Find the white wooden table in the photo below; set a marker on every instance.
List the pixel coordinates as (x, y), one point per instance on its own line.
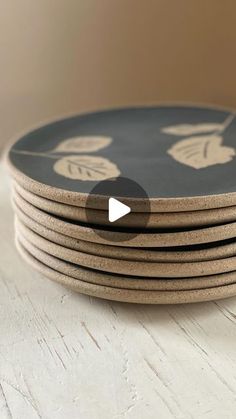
(68, 356)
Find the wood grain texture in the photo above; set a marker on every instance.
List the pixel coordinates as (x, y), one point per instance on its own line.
(66, 355)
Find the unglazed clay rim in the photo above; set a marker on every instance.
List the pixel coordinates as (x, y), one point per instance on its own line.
(131, 268)
(126, 253)
(205, 235)
(219, 252)
(100, 202)
(131, 296)
(164, 220)
(117, 281)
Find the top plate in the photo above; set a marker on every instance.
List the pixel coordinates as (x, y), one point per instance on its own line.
(183, 157)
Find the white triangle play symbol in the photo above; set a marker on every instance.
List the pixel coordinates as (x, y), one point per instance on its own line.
(117, 210)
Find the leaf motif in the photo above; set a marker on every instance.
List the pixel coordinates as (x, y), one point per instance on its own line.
(86, 168)
(83, 144)
(188, 129)
(201, 151)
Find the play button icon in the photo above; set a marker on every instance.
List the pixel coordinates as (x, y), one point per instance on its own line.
(111, 207)
(117, 210)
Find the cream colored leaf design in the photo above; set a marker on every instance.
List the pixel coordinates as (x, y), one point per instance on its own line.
(86, 168)
(188, 129)
(201, 151)
(83, 144)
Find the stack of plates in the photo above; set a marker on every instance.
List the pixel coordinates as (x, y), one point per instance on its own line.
(177, 246)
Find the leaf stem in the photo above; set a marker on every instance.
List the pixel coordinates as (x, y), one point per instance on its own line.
(33, 153)
(226, 123)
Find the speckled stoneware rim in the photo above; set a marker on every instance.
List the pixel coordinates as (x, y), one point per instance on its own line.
(100, 202)
(190, 237)
(118, 281)
(164, 220)
(125, 295)
(131, 268)
(128, 253)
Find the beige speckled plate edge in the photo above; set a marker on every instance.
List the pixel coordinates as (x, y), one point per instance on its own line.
(131, 296)
(117, 252)
(127, 253)
(199, 236)
(164, 220)
(100, 202)
(117, 281)
(132, 268)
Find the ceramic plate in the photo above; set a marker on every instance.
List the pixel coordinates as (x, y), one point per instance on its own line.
(183, 157)
(127, 282)
(156, 219)
(150, 239)
(196, 253)
(126, 295)
(132, 268)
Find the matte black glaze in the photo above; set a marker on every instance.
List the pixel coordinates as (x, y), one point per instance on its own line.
(139, 149)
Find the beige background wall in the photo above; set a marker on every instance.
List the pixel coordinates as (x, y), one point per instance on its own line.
(65, 56)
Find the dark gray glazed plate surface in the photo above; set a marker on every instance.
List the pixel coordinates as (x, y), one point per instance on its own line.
(172, 152)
